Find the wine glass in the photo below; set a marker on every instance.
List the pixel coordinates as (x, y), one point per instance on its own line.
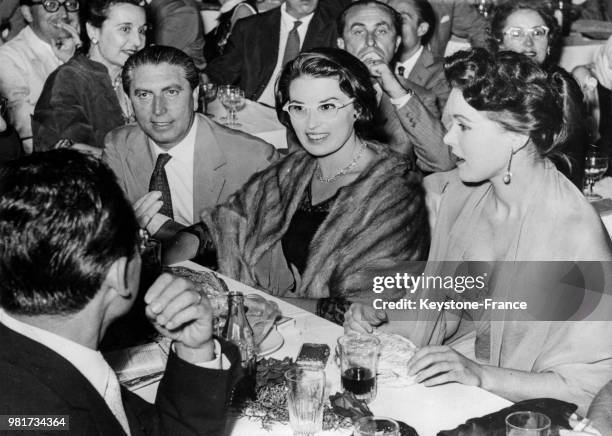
(595, 167)
(223, 90)
(208, 92)
(233, 100)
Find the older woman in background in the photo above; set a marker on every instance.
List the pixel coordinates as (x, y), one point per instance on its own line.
(507, 203)
(317, 224)
(527, 27)
(83, 99)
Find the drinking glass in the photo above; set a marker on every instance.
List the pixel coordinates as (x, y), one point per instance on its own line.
(376, 426)
(208, 92)
(233, 100)
(224, 90)
(305, 398)
(595, 167)
(484, 7)
(527, 424)
(358, 364)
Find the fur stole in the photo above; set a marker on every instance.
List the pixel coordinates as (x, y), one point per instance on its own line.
(376, 222)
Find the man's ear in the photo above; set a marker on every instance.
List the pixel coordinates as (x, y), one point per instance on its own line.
(117, 277)
(196, 97)
(340, 43)
(422, 29)
(398, 42)
(27, 14)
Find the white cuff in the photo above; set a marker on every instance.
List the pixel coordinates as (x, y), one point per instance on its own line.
(401, 101)
(220, 361)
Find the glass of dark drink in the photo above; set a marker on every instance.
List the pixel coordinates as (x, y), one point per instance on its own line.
(358, 364)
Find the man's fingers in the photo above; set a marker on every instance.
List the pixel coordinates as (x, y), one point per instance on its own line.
(150, 196)
(179, 301)
(433, 370)
(185, 316)
(165, 284)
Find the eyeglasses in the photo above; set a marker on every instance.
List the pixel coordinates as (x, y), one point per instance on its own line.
(537, 32)
(300, 111)
(54, 5)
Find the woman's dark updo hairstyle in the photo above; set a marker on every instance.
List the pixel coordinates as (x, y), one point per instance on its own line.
(516, 93)
(353, 79)
(504, 10)
(95, 12)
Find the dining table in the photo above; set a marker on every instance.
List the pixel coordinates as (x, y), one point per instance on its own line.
(427, 409)
(255, 119)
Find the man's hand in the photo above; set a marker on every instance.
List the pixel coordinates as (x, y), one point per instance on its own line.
(361, 318)
(146, 209)
(65, 46)
(435, 365)
(384, 76)
(182, 313)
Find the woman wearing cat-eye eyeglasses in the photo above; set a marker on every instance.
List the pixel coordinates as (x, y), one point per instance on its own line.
(527, 27)
(317, 225)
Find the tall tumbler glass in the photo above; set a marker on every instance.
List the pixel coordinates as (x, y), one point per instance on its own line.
(527, 424)
(305, 398)
(358, 364)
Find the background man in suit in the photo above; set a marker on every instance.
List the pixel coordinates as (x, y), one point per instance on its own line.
(189, 162)
(70, 269)
(459, 18)
(177, 23)
(261, 45)
(370, 30)
(415, 61)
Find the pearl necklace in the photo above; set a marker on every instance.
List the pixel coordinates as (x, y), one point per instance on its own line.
(342, 171)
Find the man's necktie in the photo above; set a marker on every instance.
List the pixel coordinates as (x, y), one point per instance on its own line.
(112, 397)
(159, 182)
(292, 49)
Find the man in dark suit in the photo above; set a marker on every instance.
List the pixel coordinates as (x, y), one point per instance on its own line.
(459, 18)
(408, 113)
(206, 161)
(177, 23)
(260, 45)
(69, 269)
(415, 61)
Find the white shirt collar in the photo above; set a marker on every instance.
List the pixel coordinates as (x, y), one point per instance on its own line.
(229, 5)
(289, 20)
(37, 44)
(88, 362)
(409, 63)
(184, 150)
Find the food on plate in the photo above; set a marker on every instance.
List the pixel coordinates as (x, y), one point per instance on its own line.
(395, 352)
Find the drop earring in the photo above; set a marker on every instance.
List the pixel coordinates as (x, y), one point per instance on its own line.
(508, 176)
(94, 41)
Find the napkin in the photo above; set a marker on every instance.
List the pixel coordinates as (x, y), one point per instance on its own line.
(494, 424)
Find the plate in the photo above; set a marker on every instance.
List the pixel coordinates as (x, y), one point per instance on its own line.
(271, 343)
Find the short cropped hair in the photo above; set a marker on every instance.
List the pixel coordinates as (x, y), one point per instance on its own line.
(353, 79)
(396, 18)
(63, 222)
(156, 55)
(516, 93)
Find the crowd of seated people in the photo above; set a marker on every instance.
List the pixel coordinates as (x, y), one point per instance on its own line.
(397, 155)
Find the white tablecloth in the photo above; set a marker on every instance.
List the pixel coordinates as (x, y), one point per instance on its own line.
(428, 410)
(255, 119)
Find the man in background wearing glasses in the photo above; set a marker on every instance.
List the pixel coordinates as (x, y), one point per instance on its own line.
(49, 40)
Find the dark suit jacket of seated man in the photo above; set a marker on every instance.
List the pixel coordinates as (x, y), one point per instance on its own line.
(251, 53)
(54, 313)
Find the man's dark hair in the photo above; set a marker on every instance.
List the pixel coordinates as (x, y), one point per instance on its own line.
(63, 221)
(156, 55)
(427, 15)
(396, 19)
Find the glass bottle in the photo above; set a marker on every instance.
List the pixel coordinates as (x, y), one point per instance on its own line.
(562, 12)
(238, 331)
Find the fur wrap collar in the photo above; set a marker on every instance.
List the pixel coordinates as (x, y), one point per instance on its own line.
(376, 222)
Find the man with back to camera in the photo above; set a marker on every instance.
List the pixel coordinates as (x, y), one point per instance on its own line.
(174, 162)
(68, 270)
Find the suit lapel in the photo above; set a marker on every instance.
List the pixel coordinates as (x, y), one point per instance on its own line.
(314, 32)
(140, 162)
(420, 72)
(208, 168)
(60, 376)
(267, 44)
